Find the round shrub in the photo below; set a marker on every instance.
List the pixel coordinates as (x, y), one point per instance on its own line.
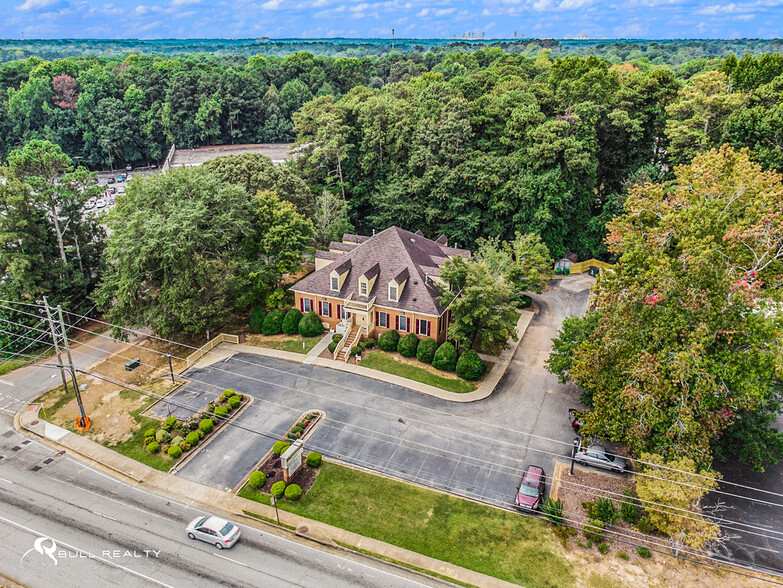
(257, 319)
(229, 392)
(356, 350)
(200, 432)
(643, 552)
(177, 440)
(206, 426)
(175, 451)
(293, 436)
(149, 433)
(169, 423)
(314, 459)
(337, 337)
(293, 492)
(299, 427)
(470, 366)
(153, 447)
(426, 350)
(273, 323)
(148, 440)
(407, 345)
(221, 411)
(162, 436)
(234, 402)
(369, 343)
(193, 438)
(445, 358)
(277, 489)
(310, 325)
(388, 340)
(256, 479)
(279, 447)
(291, 322)
(332, 346)
(185, 446)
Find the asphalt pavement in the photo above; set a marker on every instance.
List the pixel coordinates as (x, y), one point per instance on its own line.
(477, 450)
(65, 524)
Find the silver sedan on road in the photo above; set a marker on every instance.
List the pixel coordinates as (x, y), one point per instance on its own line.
(219, 532)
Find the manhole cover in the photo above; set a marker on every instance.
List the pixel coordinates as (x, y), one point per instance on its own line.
(35, 422)
(302, 529)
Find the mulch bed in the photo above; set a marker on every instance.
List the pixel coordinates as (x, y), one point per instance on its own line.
(273, 469)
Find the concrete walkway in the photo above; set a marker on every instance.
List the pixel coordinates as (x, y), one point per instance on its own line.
(189, 492)
(485, 389)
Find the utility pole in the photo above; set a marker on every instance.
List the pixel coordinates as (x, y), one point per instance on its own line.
(83, 421)
(56, 346)
(392, 39)
(171, 370)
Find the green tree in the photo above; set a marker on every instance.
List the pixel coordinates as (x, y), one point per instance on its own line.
(479, 304)
(330, 221)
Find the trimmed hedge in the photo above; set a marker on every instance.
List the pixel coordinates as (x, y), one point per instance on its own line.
(407, 345)
(279, 447)
(221, 411)
(193, 438)
(256, 323)
(293, 492)
(185, 446)
(445, 358)
(149, 433)
(273, 323)
(256, 479)
(169, 423)
(314, 459)
(234, 402)
(426, 350)
(356, 350)
(310, 325)
(153, 447)
(229, 392)
(277, 489)
(470, 366)
(337, 337)
(162, 436)
(206, 425)
(291, 322)
(332, 346)
(177, 440)
(175, 451)
(369, 343)
(388, 340)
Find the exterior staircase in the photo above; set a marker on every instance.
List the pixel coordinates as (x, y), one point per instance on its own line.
(346, 349)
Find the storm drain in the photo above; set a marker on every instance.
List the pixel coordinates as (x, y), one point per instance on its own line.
(8, 434)
(49, 460)
(17, 448)
(25, 442)
(35, 468)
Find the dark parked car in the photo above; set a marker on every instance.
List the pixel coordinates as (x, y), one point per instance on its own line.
(576, 419)
(530, 493)
(597, 456)
(110, 181)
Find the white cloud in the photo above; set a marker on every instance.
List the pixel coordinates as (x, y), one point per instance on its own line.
(423, 12)
(444, 11)
(185, 2)
(40, 5)
(573, 4)
(272, 5)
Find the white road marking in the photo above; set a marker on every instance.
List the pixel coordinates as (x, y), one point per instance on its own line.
(6, 382)
(244, 565)
(100, 559)
(4, 480)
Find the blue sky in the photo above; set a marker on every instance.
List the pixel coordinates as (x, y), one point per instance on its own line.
(374, 18)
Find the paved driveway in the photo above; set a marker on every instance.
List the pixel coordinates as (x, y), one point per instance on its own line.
(477, 450)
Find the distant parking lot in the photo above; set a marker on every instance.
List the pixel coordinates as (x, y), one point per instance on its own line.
(121, 178)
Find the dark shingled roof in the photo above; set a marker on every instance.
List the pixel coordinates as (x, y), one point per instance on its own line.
(342, 246)
(351, 238)
(327, 255)
(341, 268)
(373, 271)
(394, 252)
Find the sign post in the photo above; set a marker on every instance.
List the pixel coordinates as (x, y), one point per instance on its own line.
(292, 460)
(273, 500)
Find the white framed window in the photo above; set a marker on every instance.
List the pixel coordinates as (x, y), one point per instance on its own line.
(335, 283)
(403, 321)
(392, 293)
(422, 327)
(383, 319)
(363, 288)
(307, 305)
(325, 308)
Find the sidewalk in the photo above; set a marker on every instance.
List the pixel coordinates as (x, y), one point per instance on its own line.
(485, 389)
(209, 499)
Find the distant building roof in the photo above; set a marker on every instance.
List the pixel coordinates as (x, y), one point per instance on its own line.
(277, 152)
(391, 254)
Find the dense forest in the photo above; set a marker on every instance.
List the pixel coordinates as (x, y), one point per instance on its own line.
(471, 145)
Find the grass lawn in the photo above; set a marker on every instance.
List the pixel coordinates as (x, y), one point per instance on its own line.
(9, 366)
(378, 360)
(291, 343)
(495, 542)
(135, 449)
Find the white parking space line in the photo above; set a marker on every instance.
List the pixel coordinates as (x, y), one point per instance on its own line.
(7, 383)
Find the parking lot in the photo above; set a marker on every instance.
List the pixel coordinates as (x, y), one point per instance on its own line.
(118, 184)
(477, 450)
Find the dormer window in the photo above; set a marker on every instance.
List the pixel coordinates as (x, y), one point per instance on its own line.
(392, 293)
(335, 283)
(363, 288)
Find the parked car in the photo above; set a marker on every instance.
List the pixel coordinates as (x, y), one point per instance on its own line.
(112, 190)
(90, 204)
(219, 532)
(121, 178)
(111, 201)
(110, 181)
(100, 203)
(597, 456)
(128, 167)
(530, 492)
(576, 419)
